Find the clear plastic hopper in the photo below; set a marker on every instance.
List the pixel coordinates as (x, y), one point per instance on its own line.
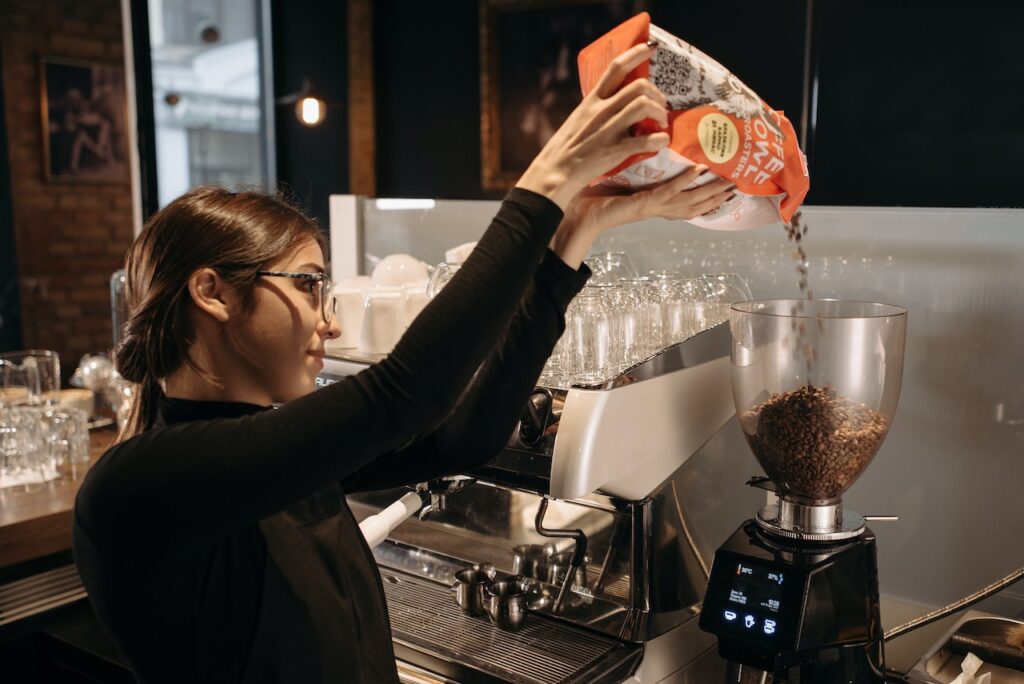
(815, 385)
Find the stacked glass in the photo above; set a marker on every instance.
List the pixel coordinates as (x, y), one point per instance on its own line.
(724, 290)
(37, 434)
(621, 319)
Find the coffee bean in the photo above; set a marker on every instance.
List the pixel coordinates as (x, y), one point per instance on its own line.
(813, 442)
(796, 229)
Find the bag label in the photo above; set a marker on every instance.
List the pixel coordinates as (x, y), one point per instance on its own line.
(718, 137)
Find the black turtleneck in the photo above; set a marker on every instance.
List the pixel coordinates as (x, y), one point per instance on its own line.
(218, 546)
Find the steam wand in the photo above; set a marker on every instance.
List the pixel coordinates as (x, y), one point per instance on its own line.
(578, 553)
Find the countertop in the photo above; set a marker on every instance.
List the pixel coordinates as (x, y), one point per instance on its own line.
(37, 522)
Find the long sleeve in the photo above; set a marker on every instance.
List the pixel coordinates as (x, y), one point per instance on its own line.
(174, 488)
(485, 417)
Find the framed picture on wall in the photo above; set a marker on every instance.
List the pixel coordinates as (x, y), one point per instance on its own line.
(528, 77)
(84, 115)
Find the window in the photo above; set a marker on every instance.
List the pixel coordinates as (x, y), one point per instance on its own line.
(210, 74)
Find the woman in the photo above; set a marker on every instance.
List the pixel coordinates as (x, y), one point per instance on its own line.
(215, 542)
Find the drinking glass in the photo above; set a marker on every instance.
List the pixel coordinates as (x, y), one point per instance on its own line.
(626, 306)
(553, 373)
(698, 306)
(118, 303)
(610, 267)
(592, 348)
(725, 289)
(649, 315)
(22, 454)
(30, 376)
(667, 297)
(65, 434)
(440, 276)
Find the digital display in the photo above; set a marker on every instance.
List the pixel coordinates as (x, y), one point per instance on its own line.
(757, 587)
(748, 599)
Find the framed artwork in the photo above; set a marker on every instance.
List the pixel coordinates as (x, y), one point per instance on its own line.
(528, 77)
(84, 115)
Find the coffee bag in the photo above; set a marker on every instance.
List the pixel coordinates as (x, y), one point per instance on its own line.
(714, 119)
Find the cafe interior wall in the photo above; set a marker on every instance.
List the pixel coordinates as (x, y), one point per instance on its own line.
(898, 105)
(308, 40)
(69, 237)
(10, 307)
(427, 77)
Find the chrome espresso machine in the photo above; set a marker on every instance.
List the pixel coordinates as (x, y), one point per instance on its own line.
(582, 510)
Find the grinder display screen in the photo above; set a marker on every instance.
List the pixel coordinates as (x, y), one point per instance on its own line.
(757, 588)
(751, 600)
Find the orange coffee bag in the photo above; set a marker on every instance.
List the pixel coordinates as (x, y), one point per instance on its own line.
(714, 119)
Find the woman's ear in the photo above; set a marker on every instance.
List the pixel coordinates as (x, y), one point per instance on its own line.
(211, 294)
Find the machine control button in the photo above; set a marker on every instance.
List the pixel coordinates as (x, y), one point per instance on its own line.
(769, 626)
(730, 616)
(749, 621)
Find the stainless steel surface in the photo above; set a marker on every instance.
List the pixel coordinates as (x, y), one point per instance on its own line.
(469, 589)
(570, 443)
(506, 605)
(814, 518)
(961, 603)
(705, 346)
(410, 674)
(940, 665)
(810, 522)
(526, 557)
(436, 493)
(736, 673)
(560, 565)
(541, 652)
(646, 573)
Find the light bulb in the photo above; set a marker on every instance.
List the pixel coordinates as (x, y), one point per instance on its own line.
(310, 111)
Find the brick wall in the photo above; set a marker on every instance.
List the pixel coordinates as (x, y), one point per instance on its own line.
(70, 236)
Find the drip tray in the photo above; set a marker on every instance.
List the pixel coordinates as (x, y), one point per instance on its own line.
(430, 630)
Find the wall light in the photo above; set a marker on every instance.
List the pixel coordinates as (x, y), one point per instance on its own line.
(310, 105)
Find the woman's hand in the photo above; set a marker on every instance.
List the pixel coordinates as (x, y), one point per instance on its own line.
(598, 209)
(595, 137)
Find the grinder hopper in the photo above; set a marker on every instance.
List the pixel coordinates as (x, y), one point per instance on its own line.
(815, 385)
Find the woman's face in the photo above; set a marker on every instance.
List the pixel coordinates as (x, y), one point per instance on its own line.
(281, 343)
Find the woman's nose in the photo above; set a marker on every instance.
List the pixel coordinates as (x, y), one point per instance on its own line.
(333, 331)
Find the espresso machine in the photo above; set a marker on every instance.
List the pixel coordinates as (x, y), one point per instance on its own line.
(583, 508)
(793, 594)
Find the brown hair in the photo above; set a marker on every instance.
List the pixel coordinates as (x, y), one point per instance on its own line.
(234, 233)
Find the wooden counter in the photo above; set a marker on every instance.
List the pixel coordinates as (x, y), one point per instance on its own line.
(37, 522)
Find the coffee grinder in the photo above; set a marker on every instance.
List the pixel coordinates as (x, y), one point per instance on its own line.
(793, 593)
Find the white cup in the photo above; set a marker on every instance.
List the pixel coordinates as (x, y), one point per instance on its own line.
(383, 320)
(415, 300)
(350, 317)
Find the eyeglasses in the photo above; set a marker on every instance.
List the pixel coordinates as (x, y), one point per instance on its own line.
(320, 286)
